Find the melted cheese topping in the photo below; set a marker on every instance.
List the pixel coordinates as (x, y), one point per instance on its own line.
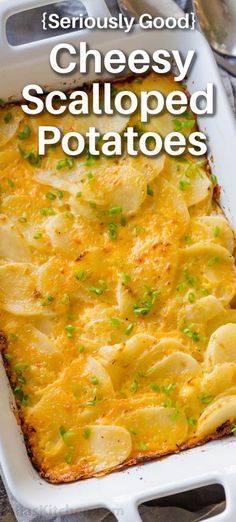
(116, 284)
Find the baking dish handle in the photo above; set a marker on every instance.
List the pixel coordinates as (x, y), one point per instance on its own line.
(94, 8)
(228, 481)
(127, 510)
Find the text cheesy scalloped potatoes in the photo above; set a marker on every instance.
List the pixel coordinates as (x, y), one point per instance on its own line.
(117, 285)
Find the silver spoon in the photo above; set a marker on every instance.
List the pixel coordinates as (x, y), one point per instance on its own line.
(217, 20)
(223, 11)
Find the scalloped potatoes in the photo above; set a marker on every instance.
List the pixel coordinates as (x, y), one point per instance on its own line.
(117, 281)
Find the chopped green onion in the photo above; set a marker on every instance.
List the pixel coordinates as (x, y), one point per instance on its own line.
(192, 334)
(90, 161)
(38, 235)
(47, 300)
(92, 204)
(25, 133)
(81, 349)
(192, 421)
(181, 125)
(205, 399)
(95, 290)
(80, 275)
(154, 387)
(21, 367)
(8, 117)
(114, 211)
(69, 215)
(68, 458)
(129, 329)
(47, 211)
(34, 159)
(123, 221)
(189, 278)
(62, 431)
(233, 430)
(216, 232)
(145, 306)
(94, 380)
(125, 278)
(22, 219)
(188, 240)
(191, 297)
(175, 414)
(25, 400)
(66, 163)
(184, 184)
(168, 389)
(90, 176)
(65, 300)
(214, 180)
(78, 195)
(87, 433)
(10, 183)
(112, 231)
(205, 292)
(134, 386)
(150, 191)
(213, 261)
(114, 91)
(168, 403)
(51, 196)
(70, 329)
(115, 321)
(13, 337)
(92, 401)
(142, 445)
(181, 287)
(7, 356)
(21, 380)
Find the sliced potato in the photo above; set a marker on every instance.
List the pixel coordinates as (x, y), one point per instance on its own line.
(164, 347)
(190, 179)
(151, 167)
(18, 290)
(211, 264)
(155, 428)
(177, 363)
(125, 299)
(221, 411)
(226, 316)
(103, 447)
(81, 122)
(222, 346)
(8, 130)
(40, 341)
(220, 379)
(13, 246)
(118, 358)
(203, 309)
(76, 397)
(65, 236)
(215, 229)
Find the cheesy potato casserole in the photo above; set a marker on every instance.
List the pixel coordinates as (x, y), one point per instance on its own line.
(117, 286)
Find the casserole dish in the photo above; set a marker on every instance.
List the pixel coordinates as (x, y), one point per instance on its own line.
(47, 498)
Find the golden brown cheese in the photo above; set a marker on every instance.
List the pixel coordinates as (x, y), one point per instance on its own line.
(116, 284)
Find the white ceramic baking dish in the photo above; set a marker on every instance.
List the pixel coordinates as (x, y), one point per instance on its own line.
(120, 492)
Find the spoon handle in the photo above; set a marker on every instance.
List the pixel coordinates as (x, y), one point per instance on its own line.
(227, 66)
